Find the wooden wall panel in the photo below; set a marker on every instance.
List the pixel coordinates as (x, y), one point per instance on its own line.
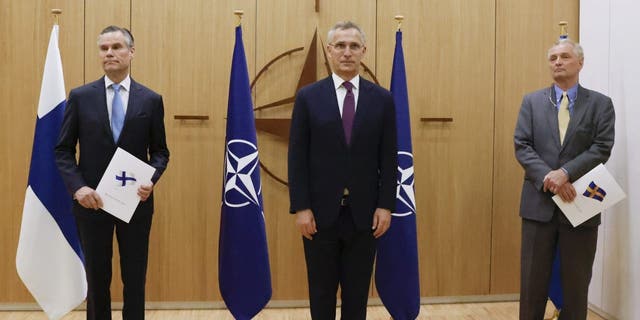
(26, 29)
(471, 61)
(184, 51)
(97, 16)
(525, 30)
(361, 12)
(70, 40)
(279, 82)
(448, 47)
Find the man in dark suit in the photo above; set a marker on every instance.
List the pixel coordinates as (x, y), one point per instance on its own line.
(562, 132)
(114, 111)
(342, 176)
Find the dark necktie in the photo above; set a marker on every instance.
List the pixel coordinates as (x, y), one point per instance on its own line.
(348, 110)
(117, 112)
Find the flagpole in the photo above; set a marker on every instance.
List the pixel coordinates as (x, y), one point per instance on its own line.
(399, 19)
(56, 13)
(564, 34)
(239, 14)
(244, 276)
(397, 277)
(49, 254)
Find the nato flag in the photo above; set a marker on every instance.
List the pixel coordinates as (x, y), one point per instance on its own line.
(243, 261)
(397, 277)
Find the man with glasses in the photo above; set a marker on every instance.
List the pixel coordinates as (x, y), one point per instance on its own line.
(342, 176)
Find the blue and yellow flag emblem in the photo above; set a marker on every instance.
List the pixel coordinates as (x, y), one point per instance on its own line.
(595, 192)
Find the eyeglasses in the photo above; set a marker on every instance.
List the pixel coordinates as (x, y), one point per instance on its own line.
(341, 46)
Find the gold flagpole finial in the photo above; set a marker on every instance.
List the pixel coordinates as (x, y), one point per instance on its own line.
(564, 34)
(399, 19)
(56, 13)
(239, 14)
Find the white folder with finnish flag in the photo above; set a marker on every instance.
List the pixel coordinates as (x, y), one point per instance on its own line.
(118, 187)
(596, 191)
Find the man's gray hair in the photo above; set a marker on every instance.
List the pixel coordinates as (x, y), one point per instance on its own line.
(577, 48)
(128, 37)
(345, 25)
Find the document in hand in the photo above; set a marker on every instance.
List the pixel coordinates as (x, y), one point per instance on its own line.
(597, 191)
(118, 187)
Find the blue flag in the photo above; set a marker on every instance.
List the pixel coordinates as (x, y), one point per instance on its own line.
(555, 284)
(49, 259)
(243, 260)
(397, 277)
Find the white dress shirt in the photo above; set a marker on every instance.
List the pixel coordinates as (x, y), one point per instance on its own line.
(124, 93)
(341, 91)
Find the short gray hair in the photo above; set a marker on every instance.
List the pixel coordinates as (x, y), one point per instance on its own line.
(345, 25)
(128, 37)
(577, 48)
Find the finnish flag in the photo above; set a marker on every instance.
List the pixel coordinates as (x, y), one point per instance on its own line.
(49, 260)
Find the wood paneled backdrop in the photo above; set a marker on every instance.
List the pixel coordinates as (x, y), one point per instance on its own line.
(468, 60)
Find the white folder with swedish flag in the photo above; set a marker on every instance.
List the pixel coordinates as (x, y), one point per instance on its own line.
(596, 191)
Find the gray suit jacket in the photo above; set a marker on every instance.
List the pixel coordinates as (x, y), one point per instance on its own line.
(587, 143)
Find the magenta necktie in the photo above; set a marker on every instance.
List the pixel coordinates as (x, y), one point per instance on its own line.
(348, 110)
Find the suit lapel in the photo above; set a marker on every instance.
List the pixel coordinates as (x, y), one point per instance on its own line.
(363, 101)
(551, 113)
(331, 105)
(102, 109)
(132, 105)
(578, 112)
(332, 99)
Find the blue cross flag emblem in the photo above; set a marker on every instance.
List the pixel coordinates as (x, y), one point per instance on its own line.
(124, 178)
